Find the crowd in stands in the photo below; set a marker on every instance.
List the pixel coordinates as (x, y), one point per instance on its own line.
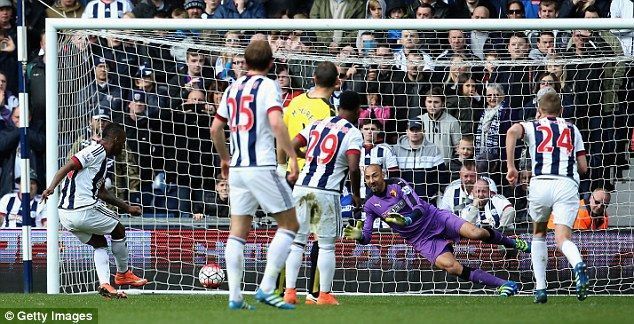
(436, 103)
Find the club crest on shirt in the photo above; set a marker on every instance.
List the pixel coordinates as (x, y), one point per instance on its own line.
(393, 193)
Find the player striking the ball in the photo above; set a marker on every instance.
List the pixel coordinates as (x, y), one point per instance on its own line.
(428, 229)
(83, 213)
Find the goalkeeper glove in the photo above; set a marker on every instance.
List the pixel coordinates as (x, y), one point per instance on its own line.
(354, 233)
(398, 219)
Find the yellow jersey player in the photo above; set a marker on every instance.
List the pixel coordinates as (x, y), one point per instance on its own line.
(310, 106)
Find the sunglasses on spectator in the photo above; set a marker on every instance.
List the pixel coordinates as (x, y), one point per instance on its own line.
(515, 12)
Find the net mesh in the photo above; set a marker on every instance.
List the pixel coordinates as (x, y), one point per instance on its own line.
(164, 88)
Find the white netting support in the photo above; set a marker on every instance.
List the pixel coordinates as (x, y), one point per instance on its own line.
(170, 168)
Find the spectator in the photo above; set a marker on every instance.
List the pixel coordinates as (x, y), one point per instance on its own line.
(11, 206)
(431, 41)
(457, 195)
(592, 213)
(284, 81)
(515, 9)
(437, 8)
(624, 9)
(8, 49)
(223, 62)
(577, 8)
(545, 47)
(214, 95)
(457, 47)
(396, 9)
(488, 209)
(122, 177)
(516, 75)
(157, 96)
(194, 75)
(549, 9)
(439, 127)
(375, 109)
(215, 204)
(464, 151)
(36, 84)
(211, 6)
(481, 41)
(108, 93)
(543, 81)
(408, 88)
(465, 103)
(410, 44)
(123, 59)
(163, 7)
(194, 8)
(465, 8)
(420, 161)
(7, 102)
(374, 151)
(245, 9)
(337, 9)
(65, 9)
(490, 131)
(10, 150)
(107, 9)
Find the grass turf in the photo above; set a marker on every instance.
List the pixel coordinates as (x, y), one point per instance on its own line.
(189, 309)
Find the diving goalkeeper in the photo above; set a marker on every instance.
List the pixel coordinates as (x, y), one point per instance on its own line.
(428, 229)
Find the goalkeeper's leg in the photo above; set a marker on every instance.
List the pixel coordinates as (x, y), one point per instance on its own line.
(447, 261)
(491, 236)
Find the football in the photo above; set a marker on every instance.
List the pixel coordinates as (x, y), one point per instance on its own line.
(211, 276)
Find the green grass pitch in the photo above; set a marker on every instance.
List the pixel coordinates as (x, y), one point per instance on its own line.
(190, 309)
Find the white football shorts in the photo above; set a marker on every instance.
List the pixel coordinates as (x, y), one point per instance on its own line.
(556, 195)
(84, 222)
(318, 212)
(250, 187)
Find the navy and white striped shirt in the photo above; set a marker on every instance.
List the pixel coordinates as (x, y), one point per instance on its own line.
(81, 186)
(553, 144)
(329, 141)
(101, 9)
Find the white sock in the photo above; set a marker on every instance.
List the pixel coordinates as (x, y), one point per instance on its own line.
(102, 265)
(276, 257)
(293, 263)
(326, 264)
(539, 257)
(120, 251)
(571, 252)
(234, 256)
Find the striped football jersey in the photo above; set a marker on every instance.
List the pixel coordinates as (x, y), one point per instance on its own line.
(80, 188)
(245, 106)
(328, 141)
(553, 144)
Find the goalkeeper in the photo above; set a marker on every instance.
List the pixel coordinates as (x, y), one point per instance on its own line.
(428, 229)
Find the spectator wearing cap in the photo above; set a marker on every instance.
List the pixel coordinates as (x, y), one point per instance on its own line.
(420, 161)
(236, 9)
(122, 175)
(156, 96)
(109, 94)
(107, 9)
(65, 9)
(11, 205)
(10, 151)
(194, 8)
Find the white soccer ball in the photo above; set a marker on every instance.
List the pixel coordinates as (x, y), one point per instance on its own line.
(211, 276)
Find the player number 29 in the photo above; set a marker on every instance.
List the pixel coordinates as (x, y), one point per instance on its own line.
(327, 147)
(564, 140)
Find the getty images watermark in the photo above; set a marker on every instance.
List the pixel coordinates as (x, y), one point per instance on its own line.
(49, 315)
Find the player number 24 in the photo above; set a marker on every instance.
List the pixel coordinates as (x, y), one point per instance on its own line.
(563, 141)
(327, 147)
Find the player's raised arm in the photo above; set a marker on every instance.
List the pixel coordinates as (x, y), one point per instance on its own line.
(72, 165)
(512, 135)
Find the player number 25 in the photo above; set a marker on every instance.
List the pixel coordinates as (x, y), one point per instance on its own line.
(327, 147)
(246, 114)
(563, 141)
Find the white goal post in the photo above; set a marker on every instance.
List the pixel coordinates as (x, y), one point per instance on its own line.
(623, 202)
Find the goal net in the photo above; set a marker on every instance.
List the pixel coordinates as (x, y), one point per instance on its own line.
(162, 81)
